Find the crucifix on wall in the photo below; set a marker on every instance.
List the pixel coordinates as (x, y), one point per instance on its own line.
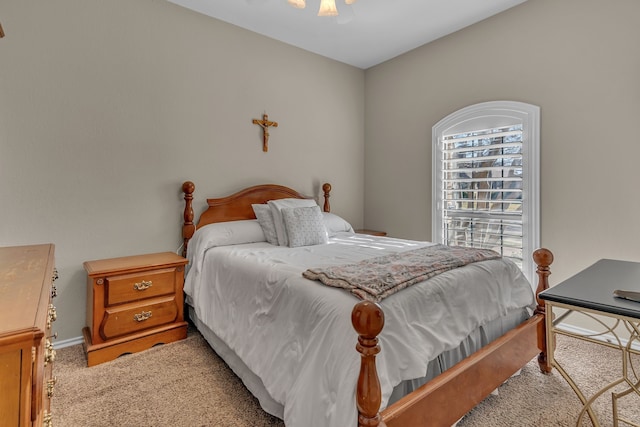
(265, 124)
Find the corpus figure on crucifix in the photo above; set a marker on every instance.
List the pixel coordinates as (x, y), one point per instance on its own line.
(265, 124)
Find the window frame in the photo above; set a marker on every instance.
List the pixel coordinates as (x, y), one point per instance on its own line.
(494, 114)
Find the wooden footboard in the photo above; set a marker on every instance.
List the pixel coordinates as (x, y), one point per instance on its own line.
(445, 399)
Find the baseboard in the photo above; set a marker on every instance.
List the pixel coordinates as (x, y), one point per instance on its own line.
(604, 338)
(569, 328)
(68, 342)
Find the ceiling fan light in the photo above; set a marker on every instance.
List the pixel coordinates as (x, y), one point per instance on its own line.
(328, 8)
(300, 4)
(349, 1)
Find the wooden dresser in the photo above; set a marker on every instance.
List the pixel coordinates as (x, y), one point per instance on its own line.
(133, 303)
(27, 274)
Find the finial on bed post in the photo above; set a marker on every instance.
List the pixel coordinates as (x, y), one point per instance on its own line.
(326, 188)
(188, 228)
(368, 320)
(543, 259)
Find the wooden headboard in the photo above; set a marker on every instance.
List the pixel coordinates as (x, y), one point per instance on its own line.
(237, 206)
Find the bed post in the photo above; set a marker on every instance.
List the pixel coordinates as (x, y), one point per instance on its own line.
(543, 259)
(326, 188)
(188, 228)
(368, 320)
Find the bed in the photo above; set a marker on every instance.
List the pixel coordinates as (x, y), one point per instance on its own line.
(287, 337)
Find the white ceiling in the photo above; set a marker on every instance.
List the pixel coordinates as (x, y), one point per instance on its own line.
(364, 34)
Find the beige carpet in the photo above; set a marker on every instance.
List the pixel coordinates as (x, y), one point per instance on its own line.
(186, 384)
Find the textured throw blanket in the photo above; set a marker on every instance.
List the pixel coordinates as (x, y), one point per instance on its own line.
(377, 278)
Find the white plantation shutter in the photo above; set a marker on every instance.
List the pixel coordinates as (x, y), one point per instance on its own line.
(485, 181)
(482, 190)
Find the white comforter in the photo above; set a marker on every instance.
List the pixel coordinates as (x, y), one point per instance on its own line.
(296, 334)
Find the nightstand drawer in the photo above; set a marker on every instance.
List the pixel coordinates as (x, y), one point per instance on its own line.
(126, 320)
(133, 287)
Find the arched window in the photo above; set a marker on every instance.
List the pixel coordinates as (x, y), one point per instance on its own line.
(486, 180)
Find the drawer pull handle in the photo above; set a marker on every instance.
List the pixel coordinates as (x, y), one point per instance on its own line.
(141, 317)
(142, 285)
(47, 419)
(49, 353)
(53, 314)
(50, 384)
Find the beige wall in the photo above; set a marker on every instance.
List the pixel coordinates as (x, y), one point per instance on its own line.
(576, 59)
(106, 107)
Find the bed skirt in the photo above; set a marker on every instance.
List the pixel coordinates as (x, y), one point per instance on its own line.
(474, 341)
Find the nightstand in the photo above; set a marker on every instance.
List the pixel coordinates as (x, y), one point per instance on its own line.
(133, 303)
(371, 232)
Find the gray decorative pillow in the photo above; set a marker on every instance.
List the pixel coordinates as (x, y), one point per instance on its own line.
(265, 219)
(276, 208)
(305, 226)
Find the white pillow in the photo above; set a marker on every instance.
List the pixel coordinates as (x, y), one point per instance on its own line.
(305, 226)
(222, 234)
(277, 206)
(217, 234)
(265, 219)
(336, 224)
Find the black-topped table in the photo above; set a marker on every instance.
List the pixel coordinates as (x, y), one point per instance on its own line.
(590, 293)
